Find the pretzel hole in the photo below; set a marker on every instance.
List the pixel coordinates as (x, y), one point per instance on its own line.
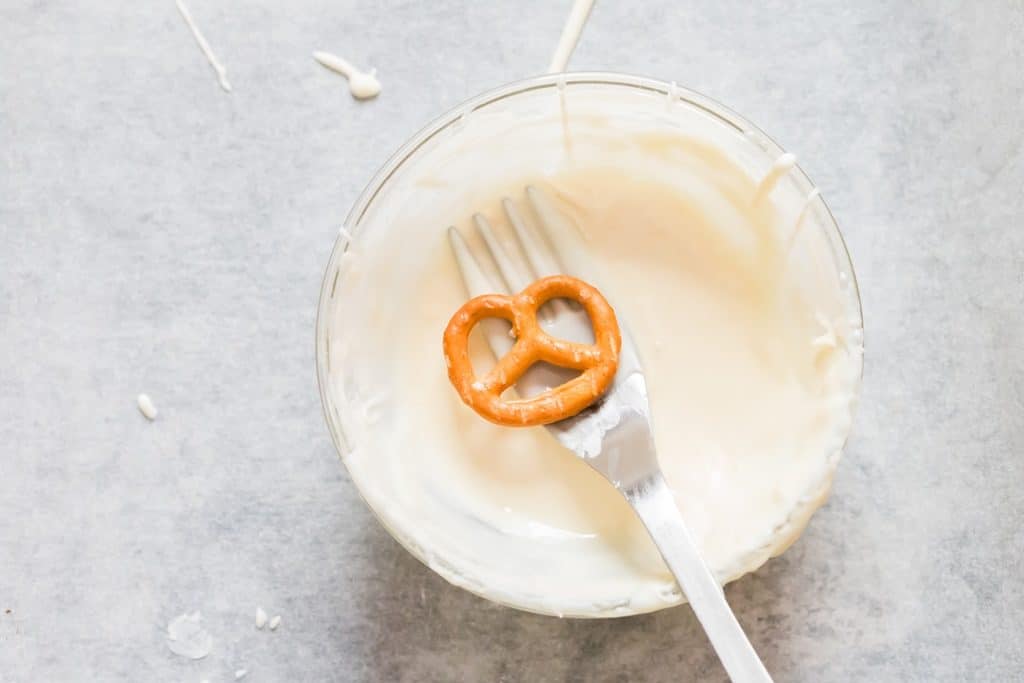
(541, 376)
(545, 309)
(480, 355)
(566, 327)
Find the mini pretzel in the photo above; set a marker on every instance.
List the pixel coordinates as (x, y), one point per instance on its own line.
(598, 361)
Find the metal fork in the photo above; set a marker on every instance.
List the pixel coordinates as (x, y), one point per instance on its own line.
(614, 435)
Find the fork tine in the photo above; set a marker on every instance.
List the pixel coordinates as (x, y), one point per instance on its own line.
(536, 246)
(513, 274)
(495, 331)
(564, 239)
(473, 277)
(552, 223)
(537, 252)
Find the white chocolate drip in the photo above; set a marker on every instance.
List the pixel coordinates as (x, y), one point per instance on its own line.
(800, 219)
(564, 109)
(783, 165)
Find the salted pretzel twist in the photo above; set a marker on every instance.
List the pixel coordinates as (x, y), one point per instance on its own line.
(597, 362)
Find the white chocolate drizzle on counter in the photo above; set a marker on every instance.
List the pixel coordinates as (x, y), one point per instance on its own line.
(362, 84)
(570, 35)
(146, 406)
(222, 73)
(563, 107)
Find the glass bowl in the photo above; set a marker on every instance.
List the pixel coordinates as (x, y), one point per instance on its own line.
(676, 101)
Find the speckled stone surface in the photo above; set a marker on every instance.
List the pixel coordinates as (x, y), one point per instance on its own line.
(159, 235)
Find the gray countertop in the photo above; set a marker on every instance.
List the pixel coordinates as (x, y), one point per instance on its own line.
(160, 235)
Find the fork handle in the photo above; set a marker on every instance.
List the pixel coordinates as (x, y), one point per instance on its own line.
(653, 502)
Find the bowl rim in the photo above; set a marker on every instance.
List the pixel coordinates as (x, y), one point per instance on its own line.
(797, 518)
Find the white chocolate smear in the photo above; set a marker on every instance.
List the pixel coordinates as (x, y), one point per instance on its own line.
(187, 637)
(146, 406)
(570, 35)
(222, 73)
(362, 84)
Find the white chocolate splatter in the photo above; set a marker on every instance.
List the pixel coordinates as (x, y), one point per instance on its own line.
(362, 84)
(187, 637)
(261, 618)
(146, 406)
(275, 622)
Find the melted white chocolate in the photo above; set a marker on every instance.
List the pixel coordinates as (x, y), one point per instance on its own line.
(751, 403)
